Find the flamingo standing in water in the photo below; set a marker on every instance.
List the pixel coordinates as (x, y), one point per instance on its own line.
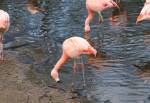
(72, 48)
(145, 12)
(4, 25)
(96, 6)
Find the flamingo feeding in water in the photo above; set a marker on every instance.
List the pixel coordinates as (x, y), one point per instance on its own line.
(97, 6)
(145, 12)
(4, 25)
(72, 48)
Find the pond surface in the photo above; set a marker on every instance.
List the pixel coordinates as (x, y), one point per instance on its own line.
(121, 71)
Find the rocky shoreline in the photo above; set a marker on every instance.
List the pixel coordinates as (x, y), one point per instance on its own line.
(16, 86)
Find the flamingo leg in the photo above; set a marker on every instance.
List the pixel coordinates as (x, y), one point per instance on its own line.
(74, 65)
(74, 70)
(100, 17)
(1, 48)
(83, 71)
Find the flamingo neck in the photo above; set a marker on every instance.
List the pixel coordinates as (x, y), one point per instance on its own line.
(61, 61)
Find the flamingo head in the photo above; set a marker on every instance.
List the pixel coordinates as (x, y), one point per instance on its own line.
(142, 17)
(87, 28)
(139, 18)
(54, 75)
(110, 4)
(91, 50)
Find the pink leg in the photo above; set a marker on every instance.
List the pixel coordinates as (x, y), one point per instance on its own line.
(74, 66)
(83, 71)
(100, 17)
(1, 48)
(74, 71)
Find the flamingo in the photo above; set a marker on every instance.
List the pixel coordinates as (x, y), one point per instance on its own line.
(72, 48)
(96, 6)
(145, 12)
(4, 25)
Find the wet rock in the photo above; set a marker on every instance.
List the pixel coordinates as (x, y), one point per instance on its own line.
(148, 98)
(107, 101)
(15, 44)
(14, 79)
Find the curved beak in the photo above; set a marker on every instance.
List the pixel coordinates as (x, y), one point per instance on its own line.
(139, 18)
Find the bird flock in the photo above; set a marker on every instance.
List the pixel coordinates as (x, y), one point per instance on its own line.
(75, 46)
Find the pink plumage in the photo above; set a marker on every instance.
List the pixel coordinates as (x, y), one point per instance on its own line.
(4, 25)
(96, 6)
(72, 48)
(145, 12)
(4, 21)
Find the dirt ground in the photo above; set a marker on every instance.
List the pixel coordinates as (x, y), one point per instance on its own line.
(15, 87)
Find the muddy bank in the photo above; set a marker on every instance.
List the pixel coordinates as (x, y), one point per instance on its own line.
(16, 85)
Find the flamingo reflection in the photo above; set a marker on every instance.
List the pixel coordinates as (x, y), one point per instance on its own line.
(33, 6)
(119, 16)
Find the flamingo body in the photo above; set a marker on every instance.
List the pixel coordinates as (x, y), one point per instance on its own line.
(96, 6)
(4, 25)
(75, 46)
(99, 5)
(72, 48)
(145, 12)
(4, 21)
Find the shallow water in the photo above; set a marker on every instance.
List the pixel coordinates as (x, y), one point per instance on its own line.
(119, 74)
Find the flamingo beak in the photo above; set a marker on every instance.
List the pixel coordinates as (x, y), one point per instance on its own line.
(57, 80)
(139, 18)
(94, 52)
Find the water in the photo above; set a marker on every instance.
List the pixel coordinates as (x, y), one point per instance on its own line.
(121, 75)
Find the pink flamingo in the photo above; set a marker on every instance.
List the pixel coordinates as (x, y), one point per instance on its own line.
(72, 48)
(96, 6)
(4, 25)
(145, 12)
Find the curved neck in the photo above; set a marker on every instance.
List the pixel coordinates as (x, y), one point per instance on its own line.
(61, 61)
